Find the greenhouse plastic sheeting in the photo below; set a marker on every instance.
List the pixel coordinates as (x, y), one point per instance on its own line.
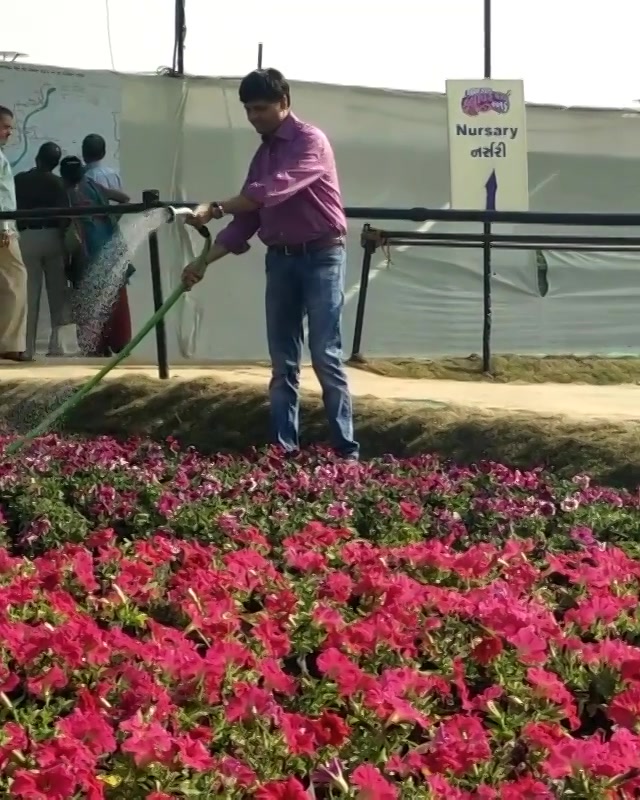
(190, 139)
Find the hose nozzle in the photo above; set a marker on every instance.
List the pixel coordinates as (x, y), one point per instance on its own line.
(174, 212)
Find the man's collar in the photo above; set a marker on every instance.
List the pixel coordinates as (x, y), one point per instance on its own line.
(285, 130)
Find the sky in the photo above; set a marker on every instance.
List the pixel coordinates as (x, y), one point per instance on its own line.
(568, 52)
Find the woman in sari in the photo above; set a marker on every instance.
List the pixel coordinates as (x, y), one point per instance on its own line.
(87, 239)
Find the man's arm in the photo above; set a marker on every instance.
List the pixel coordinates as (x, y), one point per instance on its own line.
(235, 237)
(111, 184)
(62, 201)
(300, 168)
(115, 195)
(193, 273)
(6, 195)
(216, 252)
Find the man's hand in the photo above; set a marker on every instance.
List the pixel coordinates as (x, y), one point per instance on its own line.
(193, 273)
(5, 238)
(201, 215)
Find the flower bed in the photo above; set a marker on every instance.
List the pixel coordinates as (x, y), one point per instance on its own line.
(179, 627)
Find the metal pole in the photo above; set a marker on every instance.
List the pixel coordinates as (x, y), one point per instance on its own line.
(260, 55)
(487, 38)
(486, 249)
(180, 36)
(150, 197)
(369, 250)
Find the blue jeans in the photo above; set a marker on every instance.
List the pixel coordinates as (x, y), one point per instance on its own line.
(312, 283)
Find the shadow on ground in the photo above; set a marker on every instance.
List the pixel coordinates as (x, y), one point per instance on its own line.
(218, 416)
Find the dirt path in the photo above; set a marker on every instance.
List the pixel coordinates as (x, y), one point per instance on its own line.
(576, 401)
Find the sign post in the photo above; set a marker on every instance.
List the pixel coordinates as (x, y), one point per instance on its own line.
(487, 129)
(488, 167)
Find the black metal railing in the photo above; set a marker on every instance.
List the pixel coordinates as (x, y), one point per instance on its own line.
(415, 214)
(151, 198)
(373, 238)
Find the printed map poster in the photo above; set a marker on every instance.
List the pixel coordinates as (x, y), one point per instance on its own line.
(61, 106)
(487, 128)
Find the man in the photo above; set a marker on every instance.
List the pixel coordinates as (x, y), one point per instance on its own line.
(13, 275)
(42, 244)
(94, 151)
(292, 197)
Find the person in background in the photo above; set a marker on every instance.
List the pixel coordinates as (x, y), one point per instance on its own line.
(94, 151)
(13, 274)
(86, 239)
(292, 197)
(42, 244)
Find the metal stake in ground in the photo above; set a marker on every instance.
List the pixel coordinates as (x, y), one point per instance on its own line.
(62, 410)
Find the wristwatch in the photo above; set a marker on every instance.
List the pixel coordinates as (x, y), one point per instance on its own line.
(217, 211)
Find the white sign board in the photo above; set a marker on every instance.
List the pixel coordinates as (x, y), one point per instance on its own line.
(488, 145)
(60, 106)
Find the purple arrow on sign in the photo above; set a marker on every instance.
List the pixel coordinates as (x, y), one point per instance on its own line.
(491, 187)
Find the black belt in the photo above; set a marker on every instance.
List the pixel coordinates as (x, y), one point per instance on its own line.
(44, 226)
(307, 247)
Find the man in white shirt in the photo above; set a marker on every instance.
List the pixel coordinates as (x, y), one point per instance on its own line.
(13, 274)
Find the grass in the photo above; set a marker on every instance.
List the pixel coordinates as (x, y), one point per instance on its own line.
(595, 370)
(218, 416)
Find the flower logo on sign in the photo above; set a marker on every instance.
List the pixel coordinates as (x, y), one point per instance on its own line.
(481, 100)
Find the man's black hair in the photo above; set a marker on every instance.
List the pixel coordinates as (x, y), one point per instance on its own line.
(264, 85)
(72, 170)
(6, 112)
(94, 148)
(48, 156)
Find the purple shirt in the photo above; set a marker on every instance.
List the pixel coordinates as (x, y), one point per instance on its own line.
(293, 176)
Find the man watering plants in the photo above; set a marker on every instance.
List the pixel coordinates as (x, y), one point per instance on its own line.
(291, 198)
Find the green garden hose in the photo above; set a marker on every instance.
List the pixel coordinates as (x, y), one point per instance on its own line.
(64, 408)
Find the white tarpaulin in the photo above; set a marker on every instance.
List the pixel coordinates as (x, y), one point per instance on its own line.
(189, 139)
